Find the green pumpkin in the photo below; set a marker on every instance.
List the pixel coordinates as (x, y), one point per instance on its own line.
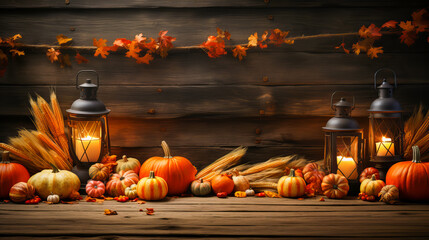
(201, 187)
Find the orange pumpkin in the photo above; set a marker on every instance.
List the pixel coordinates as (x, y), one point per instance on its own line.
(411, 178)
(291, 186)
(371, 187)
(177, 171)
(222, 183)
(10, 173)
(127, 163)
(313, 175)
(21, 191)
(152, 187)
(368, 172)
(335, 186)
(99, 172)
(119, 181)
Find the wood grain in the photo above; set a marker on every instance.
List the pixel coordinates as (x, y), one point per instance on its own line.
(214, 217)
(214, 101)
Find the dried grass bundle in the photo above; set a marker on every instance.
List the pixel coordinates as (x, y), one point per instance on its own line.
(417, 134)
(36, 150)
(222, 163)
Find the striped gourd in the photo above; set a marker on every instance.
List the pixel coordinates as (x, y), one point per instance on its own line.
(291, 186)
(152, 188)
(119, 181)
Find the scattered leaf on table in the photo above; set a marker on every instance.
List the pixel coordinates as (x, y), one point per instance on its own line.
(90, 199)
(110, 212)
(109, 198)
(141, 202)
(300, 198)
(63, 39)
(69, 202)
(322, 199)
(271, 194)
(150, 211)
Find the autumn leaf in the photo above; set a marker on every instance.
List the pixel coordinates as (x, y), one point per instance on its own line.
(139, 38)
(421, 20)
(53, 54)
(290, 42)
(253, 40)
(16, 37)
(342, 45)
(80, 59)
(133, 50)
(101, 47)
(121, 42)
(110, 212)
(371, 32)
(223, 34)
(165, 43)
(16, 52)
(373, 51)
(145, 59)
(357, 48)
(63, 39)
(263, 39)
(389, 24)
(278, 36)
(409, 34)
(239, 52)
(3, 63)
(214, 47)
(151, 46)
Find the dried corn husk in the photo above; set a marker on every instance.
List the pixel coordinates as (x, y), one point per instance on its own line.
(222, 163)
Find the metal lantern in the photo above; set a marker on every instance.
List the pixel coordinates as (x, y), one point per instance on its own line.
(386, 127)
(88, 127)
(344, 142)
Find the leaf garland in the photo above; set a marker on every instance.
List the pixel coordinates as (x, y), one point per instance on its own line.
(143, 49)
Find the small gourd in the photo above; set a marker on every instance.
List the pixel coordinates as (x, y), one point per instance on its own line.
(371, 187)
(201, 187)
(127, 163)
(240, 182)
(389, 194)
(131, 191)
(53, 198)
(250, 192)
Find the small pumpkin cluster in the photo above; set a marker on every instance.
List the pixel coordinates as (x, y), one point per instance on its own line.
(152, 180)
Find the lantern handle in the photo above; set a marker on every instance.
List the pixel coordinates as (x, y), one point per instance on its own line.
(81, 71)
(332, 100)
(381, 69)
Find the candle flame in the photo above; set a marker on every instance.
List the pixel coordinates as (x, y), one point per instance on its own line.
(88, 138)
(385, 139)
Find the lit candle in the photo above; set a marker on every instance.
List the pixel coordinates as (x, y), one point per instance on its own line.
(347, 167)
(92, 146)
(385, 148)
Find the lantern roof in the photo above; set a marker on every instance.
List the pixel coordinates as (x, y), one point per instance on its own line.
(342, 120)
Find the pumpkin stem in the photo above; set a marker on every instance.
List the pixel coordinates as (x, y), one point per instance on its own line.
(151, 174)
(373, 177)
(202, 180)
(125, 158)
(166, 149)
(292, 173)
(5, 157)
(416, 154)
(54, 168)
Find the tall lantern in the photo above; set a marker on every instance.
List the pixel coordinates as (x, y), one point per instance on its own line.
(386, 127)
(344, 143)
(88, 128)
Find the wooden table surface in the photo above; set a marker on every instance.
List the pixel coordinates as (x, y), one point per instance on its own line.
(212, 217)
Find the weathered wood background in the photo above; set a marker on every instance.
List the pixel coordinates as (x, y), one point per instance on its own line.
(275, 101)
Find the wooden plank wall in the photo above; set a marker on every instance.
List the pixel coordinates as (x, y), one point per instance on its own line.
(275, 101)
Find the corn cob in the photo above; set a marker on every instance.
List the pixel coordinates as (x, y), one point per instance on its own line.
(223, 162)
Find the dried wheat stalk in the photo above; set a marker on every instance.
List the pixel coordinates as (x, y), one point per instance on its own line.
(36, 150)
(223, 162)
(260, 186)
(417, 133)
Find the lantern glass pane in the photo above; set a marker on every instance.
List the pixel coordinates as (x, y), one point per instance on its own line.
(348, 156)
(87, 140)
(386, 137)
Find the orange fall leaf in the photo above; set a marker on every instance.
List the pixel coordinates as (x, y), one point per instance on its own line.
(53, 54)
(239, 52)
(63, 39)
(80, 59)
(374, 51)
